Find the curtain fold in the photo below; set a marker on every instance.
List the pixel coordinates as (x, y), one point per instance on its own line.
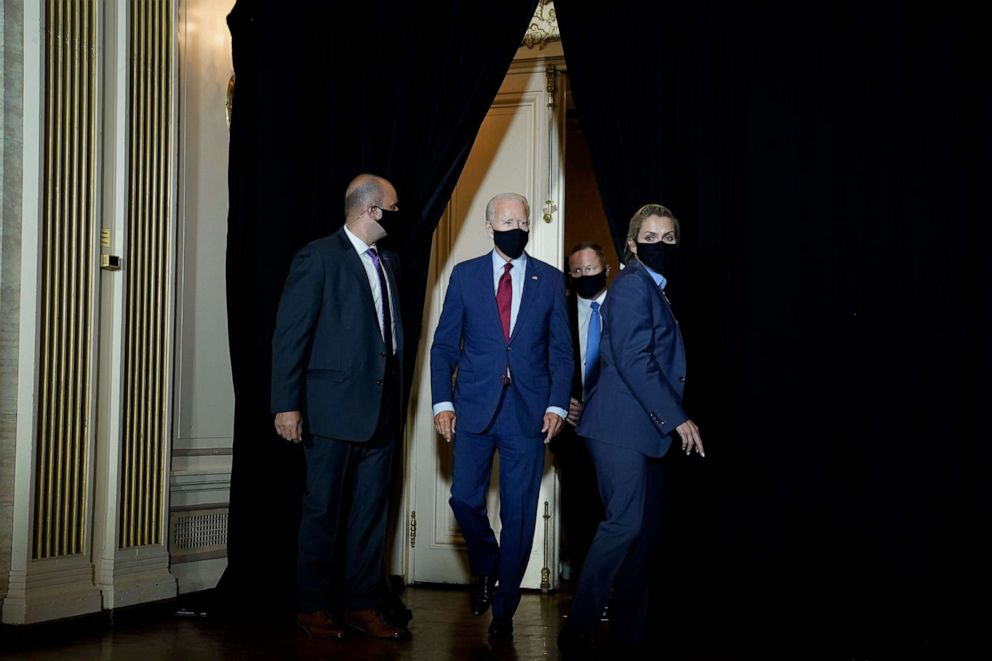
(826, 161)
(325, 91)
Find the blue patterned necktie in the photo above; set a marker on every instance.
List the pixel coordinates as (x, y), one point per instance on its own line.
(592, 348)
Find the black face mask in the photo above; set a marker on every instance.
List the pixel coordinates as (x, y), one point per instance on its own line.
(659, 257)
(511, 242)
(587, 286)
(389, 219)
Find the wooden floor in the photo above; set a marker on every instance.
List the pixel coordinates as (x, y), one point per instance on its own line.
(442, 628)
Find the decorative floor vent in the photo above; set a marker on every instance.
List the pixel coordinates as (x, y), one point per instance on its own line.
(199, 534)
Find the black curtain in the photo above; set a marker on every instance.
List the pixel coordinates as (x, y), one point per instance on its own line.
(826, 160)
(325, 91)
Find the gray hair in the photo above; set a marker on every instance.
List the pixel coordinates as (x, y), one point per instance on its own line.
(505, 197)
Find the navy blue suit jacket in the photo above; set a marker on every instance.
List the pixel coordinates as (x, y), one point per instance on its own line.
(637, 402)
(469, 336)
(328, 355)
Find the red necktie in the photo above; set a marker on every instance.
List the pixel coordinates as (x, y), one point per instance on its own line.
(504, 299)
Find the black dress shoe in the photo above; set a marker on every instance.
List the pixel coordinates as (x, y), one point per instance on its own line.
(501, 628)
(482, 594)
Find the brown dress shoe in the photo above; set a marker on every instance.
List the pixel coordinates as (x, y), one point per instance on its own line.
(320, 624)
(371, 623)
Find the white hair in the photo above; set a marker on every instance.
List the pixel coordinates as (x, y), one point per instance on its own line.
(505, 197)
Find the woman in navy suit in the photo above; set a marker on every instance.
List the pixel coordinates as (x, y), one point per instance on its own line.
(629, 421)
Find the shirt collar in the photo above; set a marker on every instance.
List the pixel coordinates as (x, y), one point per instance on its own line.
(360, 246)
(518, 263)
(658, 278)
(587, 302)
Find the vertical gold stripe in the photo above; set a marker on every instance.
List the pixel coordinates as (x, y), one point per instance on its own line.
(67, 296)
(87, 162)
(75, 234)
(127, 500)
(149, 250)
(133, 262)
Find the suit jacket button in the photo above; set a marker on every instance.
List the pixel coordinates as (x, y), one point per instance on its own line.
(378, 382)
(681, 379)
(508, 348)
(382, 354)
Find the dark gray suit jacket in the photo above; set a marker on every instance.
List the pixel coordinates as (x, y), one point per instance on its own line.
(328, 355)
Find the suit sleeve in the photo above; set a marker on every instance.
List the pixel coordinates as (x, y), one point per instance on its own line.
(298, 311)
(561, 362)
(630, 335)
(446, 348)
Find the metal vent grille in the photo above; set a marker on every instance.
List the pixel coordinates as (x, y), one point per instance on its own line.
(198, 534)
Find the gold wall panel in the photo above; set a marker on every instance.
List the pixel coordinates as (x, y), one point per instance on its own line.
(68, 249)
(148, 323)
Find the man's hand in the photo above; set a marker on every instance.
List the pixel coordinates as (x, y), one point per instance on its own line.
(444, 423)
(690, 438)
(552, 425)
(289, 425)
(574, 411)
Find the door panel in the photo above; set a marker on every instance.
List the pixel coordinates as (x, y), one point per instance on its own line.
(516, 150)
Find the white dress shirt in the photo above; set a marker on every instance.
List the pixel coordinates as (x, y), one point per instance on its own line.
(517, 274)
(585, 314)
(362, 249)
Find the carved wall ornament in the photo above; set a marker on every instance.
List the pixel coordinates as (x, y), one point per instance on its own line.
(543, 26)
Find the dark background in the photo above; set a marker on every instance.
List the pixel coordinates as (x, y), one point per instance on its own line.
(826, 160)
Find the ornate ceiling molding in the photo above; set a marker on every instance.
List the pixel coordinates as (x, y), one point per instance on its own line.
(543, 27)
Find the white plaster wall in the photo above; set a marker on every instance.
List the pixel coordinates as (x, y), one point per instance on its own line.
(205, 397)
(204, 403)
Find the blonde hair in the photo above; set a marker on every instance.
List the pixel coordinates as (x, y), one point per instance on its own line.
(634, 228)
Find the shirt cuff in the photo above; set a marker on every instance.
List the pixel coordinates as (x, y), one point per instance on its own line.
(441, 407)
(561, 413)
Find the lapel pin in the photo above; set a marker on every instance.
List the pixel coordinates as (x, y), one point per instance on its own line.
(533, 277)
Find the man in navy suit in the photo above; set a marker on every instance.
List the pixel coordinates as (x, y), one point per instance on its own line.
(337, 353)
(505, 328)
(628, 423)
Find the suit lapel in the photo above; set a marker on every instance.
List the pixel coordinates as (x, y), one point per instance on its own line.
(532, 282)
(573, 324)
(643, 272)
(387, 267)
(664, 299)
(485, 276)
(354, 264)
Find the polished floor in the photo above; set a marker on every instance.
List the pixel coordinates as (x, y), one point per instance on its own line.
(442, 628)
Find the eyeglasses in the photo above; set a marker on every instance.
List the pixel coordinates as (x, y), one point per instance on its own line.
(589, 269)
